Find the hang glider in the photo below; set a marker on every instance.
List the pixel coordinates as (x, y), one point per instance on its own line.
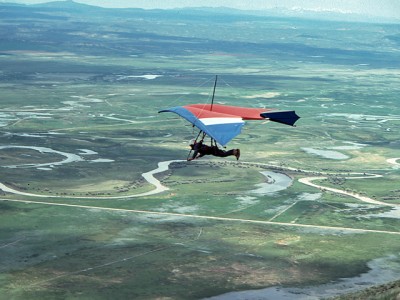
(224, 122)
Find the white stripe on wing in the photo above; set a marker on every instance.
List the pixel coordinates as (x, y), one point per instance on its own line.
(217, 121)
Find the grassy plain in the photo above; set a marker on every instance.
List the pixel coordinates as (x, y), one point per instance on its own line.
(83, 89)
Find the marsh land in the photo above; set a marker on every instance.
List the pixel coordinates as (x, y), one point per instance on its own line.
(97, 199)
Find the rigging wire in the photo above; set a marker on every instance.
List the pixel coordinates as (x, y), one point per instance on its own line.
(248, 102)
(180, 98)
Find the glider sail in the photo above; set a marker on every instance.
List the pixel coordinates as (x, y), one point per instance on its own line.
(219, 126)
(223, 122)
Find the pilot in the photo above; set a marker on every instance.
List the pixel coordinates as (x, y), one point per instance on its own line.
(201, 149)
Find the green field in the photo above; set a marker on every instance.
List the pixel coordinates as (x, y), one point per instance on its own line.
(79, 125)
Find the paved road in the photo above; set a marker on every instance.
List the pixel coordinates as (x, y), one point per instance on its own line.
(166, 214)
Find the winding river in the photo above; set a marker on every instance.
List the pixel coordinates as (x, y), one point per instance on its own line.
(277, 181)
(70, 158)
(393, 161)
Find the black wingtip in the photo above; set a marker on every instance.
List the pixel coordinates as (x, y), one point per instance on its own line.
(283, 117)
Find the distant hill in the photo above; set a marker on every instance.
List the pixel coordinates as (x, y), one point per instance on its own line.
(303, 14)
(72, 6)
(69, 5)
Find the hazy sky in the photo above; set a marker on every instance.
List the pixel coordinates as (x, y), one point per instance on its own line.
(385, 8)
